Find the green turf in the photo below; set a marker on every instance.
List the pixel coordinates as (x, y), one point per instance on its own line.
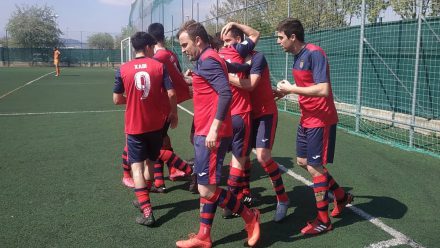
(60, 179)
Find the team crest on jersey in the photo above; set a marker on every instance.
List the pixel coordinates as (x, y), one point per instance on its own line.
(301, 64)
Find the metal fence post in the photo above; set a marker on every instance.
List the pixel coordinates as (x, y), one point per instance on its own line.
(287, 54)
(416, 75)
(361, 58)
(216, 18)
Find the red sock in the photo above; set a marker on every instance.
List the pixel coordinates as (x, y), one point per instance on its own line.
(320, 187)
(143, 197)
(207, 213)
(125, 166)
(246, 178)
(235, 182)
(158, 175)
(175, 161)
(271, 168)
(338, 192)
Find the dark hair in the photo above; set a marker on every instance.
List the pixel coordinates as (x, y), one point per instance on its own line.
(157, 31)
(142, 39)
(194, 29)
(237, 32)
(292, 26)
(215, 41)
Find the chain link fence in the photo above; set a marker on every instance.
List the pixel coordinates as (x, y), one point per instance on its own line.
(384, 57)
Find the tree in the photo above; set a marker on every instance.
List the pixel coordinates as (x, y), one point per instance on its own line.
(101, 41)
(407, 9)
(126, 32)
(34, 26)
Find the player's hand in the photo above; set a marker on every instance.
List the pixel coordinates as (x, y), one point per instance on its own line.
(211, 139)
(285, 87)
(226, 29)
(173, 119)
(277, 95)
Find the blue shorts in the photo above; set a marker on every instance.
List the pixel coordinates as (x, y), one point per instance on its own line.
(144, 146)
(241, 137)
(208, 163)
(264, 129)
(316, 144)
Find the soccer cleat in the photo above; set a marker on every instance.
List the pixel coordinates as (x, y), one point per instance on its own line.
(281, 211)
(147, 218)
(316, 227)
(228, 214)
(193, 186)
(128, 182)
(161, 189)
(253, 228)
(340, 205)
(177, 175)
(194, 242)
(247, 200)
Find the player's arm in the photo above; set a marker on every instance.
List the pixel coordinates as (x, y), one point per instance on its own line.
(118, 89)
(258, 64)
(212, 71)
(251, 33)
(172, 117)
(321, 88)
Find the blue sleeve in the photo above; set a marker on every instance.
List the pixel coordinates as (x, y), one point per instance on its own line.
(319, 68)
(245, 47)
(237, 67)
(258, 64)
(167, 83)
(212, 71)
(118, 88)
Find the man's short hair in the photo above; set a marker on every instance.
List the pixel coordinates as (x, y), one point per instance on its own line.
(236, 32)
(142, 39)
(292, 26)
(194, 29)
(157, 31)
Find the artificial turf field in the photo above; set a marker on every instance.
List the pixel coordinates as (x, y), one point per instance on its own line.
(61, 141)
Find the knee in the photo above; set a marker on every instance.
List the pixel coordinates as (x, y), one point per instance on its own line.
(263, 157)
(302, 162)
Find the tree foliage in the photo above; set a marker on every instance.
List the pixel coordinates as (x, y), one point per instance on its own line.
(126, 32)
(407, 9)
(34, 26)
(101, 41)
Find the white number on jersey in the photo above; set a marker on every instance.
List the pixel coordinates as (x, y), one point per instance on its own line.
(142, 82)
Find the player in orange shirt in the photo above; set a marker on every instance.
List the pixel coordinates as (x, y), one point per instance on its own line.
(56, 60)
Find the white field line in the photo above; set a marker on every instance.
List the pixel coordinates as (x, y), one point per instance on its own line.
(399, 238)
(26, 84)
(64, 112)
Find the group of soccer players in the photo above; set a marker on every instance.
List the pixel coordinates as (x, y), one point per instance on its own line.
(234, 110)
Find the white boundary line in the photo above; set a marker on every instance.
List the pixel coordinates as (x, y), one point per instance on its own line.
(399, 238)
(26, 84)
(64, 112)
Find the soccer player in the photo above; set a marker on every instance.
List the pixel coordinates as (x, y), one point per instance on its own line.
(148, 89)
(264, 124)
(56, 60)
(212, 135)
(235, 50)
(315, 143)
(169, 59)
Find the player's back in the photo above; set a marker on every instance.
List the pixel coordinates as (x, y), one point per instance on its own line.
(147, 101)
(169, 59)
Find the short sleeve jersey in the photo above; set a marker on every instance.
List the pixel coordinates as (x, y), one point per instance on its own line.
(169, 59)
(236, 53)
(145, 82)
(311, 67)
(209, 74)
(262, 99)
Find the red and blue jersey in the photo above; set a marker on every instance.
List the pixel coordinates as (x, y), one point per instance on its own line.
(236, 53)
(212, 94)
(262, 99)
(311, 67)
(169, 59)
(145, 82)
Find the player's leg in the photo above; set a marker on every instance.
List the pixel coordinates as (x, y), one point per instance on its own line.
(311, 146)
(137, 155)
(208, 170)
(127, 180)
(265, 134)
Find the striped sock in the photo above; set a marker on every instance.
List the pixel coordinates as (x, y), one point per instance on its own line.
(235, 182)
(125, 166)
(207, 213)
(158, 174)
(143, 197)
(333, 186)
(173, 160)
(320, 187)
(271, 168)
(227, 200)
(247, 178)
